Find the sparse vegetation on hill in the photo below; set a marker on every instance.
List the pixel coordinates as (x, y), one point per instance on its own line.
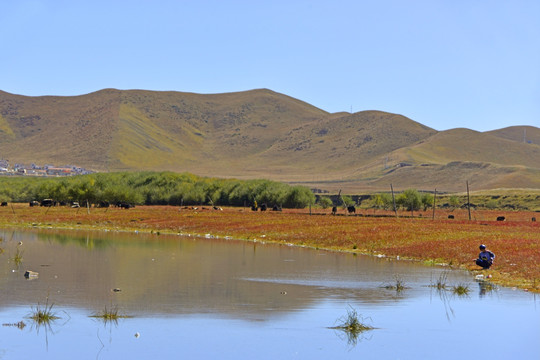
(262, 134)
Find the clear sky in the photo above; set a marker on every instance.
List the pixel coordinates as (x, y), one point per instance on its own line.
(445, 64)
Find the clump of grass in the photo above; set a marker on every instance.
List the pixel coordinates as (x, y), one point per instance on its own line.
(43, 314)
(461, 289)
(441, 282)
(110, 314)
(398, 284)
(20, 325)
(18, 257)
(353, 324)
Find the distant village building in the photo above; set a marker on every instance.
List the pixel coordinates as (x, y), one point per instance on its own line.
(46, 170)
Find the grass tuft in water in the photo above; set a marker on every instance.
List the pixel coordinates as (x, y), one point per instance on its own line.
(18, 257)
(20, 325)
(110, 314)
(398, 284)
(440, 284)
(43, 314)
(353, 324)
(461, 289)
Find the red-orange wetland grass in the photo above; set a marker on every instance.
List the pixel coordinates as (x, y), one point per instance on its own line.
(434, 240)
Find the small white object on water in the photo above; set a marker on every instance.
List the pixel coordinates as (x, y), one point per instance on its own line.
(479, 277)
(397, 257)
(20, 243)
(137, 334)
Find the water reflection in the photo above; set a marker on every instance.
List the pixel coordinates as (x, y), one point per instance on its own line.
(209, 295)
(160, 275)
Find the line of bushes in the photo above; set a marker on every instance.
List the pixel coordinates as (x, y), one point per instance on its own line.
(155, 188)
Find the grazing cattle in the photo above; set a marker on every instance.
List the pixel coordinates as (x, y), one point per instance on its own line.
(254, 208)
(124, 205)
(501, 218)
(450, 216)
(34, 203)
(75, 204)
(276, 208)
(263, 207)
(47, 202)
(217, 208)
(103, 204)
(533, 219)
(4, 203)
(334, 210)
(351, 209)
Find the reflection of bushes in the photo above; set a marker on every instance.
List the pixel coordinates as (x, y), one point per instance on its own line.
(85, 241)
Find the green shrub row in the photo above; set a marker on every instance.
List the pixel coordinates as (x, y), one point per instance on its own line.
(154, 188)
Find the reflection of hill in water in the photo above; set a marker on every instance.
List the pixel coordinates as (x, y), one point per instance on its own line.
(176, 275)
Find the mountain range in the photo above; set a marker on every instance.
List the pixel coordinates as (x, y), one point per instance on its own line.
(262, 134)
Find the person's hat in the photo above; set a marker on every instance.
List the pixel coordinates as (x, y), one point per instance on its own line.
(482, 247)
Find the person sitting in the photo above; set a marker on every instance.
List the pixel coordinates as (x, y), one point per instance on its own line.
(485, 258)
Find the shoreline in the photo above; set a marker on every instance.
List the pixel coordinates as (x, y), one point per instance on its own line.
(437, 242)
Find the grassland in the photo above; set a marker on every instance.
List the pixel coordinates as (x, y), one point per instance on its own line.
(437, 241)
(262, 134)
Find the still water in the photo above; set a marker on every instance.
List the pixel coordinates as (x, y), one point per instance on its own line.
(204, 298)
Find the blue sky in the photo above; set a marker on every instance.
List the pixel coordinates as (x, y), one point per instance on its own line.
(445, 64)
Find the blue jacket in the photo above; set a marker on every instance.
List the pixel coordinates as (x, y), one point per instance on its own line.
(487, 255)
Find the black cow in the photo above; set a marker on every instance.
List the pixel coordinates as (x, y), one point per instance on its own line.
(533, 219)
(351, 209)
(47, 202)
(34, 203)
(276, 208)
(450, 216)
(501, 218)
(263, 207)
(334, 210)
(4, 203)
(124, 205)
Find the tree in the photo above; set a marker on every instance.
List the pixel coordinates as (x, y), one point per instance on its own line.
(410, 199)
(382, 201)
(454, 201)
(347, 200)
(427, 200)
(325, 202)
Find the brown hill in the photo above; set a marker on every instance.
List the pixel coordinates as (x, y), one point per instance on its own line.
(260, 134)
(524, 134)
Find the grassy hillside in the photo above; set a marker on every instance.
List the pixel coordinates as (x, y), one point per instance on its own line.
(524, 134)
(260, 134)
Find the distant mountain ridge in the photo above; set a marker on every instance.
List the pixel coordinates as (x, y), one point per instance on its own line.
(262, 134)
